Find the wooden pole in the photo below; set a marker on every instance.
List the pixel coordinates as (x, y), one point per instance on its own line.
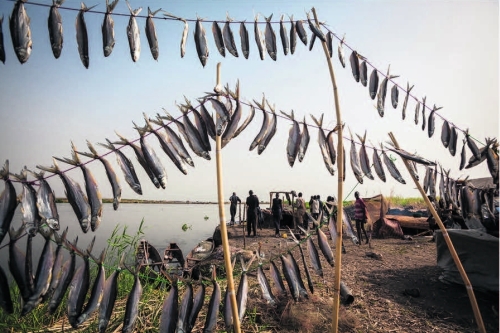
(451, 248)
(340, 194)
(223, 228)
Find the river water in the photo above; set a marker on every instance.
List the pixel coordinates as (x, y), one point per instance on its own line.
(162, 225)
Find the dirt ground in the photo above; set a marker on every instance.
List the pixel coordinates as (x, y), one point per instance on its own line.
(377, 285)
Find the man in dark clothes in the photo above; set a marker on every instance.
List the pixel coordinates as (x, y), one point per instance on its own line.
(360, 216)
(252, 204)
(234, 199)
(277, 209)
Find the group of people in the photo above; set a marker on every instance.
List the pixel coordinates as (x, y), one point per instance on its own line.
(253, 211)
(315, 206)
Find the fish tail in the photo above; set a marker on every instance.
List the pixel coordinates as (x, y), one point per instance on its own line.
(4, 172)
(61, 239)
(16, 234)
(92, 149)
(111, 6)
(90, 246)
(51, 169)
(101, 258)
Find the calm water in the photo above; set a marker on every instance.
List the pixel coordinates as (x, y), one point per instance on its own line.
(162, 225)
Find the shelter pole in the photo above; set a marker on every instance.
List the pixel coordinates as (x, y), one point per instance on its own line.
(451, 248)
(223, 228)
(340, 194)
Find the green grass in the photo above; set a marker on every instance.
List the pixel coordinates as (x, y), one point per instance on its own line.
(400, 201)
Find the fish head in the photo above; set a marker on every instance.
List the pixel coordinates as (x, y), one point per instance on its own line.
(84, 224)
(95, 221)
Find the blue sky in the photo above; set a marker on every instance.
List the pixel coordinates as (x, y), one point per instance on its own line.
(447, 49)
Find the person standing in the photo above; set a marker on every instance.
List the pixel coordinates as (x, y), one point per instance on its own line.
(301, 210)
(277, 209)
(360, 216)
(252, 204)
(315, 207)
(234, 199)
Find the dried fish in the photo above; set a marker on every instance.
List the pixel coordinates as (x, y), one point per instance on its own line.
(270, 38)
(452, 146)
(245, 43)
(363, 73)
(2, 46)
(463, 156)
(229, 42)
(382, 92)
(293, 35)
(356, 168)
(405, 103)
(259, 38)
(445, 134)
(432, 123)
(315, 29)
(392, 167)
(373, 87)
(354, 60)
(151, 34)
(133, 33)
(394, 96)
(340, 51)
(292, 148)
(219, 40)
(284, 36)
(304, 141)
(363, 158)
(200, 40)
(82, 37)
(329, 43)
(423, 113)
(472, 145)
(301, 32)
(55, 29)
(323, 145)
(20, 31)
(377, 165)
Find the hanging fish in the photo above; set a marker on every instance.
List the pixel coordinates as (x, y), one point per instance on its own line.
(265, 287)
(311, 44)
(184, 38)
(245, 43)
(92, 189)
(151, 158)
(126, 166)
(2, 46)
(198, 299)
(316, 30)
(223, 113)
(108, 26)
(297, 271)
(331, 145)
(113, 179)
(426, 179)
(133, 33)
(394, 96)
(185, 308)
(170, 310)
(323, 145)
(354, 60)
(219, 40)
(392, 167)
(293, 35)
(363, 73)
(75, 196)
(373, 87)
(423, 113)
(242, 293)
(363, 158)
(66, 276)
(356, 168)
(46, 202)
(290, 277)
(57, 271)
(151, 34)
(16, 262)
(304, 141)
(5, 298)
(325, 247)
(200, 124)
(273, 122)
(258, 38)
(264, 127)
(340, 51)
(270, 38)
(472, 145)
(200, 40)
(109, 294)
(55, 28)
(412, 157)
(431, 122)
(279, 286)
(473, 161)
(213, 306)
(463, 156)
(329, 43)
(445, 134)
(20, 31)
(292, 148)
(229, 38)
(452, 146)
(132, 307)
(284, 36)
(417, 112)
(29, 210)
(82, 37)
(232, 125)
(382, 92)
(377, 165)
(301, 32)
(405, 103)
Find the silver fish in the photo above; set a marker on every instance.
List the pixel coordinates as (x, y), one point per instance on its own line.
(170, 310)
(363, 73)
(265, 287)
(28, 266)
(301, 32)
(167, 147)
(20, 31)
(426, 179)
(323, 146)
(302, 288)
(270, 38)
(314, 257)
(277, 280)
(394, 96)
(270, 131)
(140, 157)
(2, 46)
(108, 29)
(242, 293)
(223, 113)
(354, 60)
(293, 35)
(109, 294)
(200, 125)
(284, 36)
(304, 141)
(325, 247)
(126, 166)
(5, 298)
(246, 122)
(184, 38)
(194, 138)
(213, 306)
(75, 196)
(316, 30)
(417, 110)
(264, 127)
(392, 167)
(132, 307)
(356, 168)
(423, 113)
(473, 161)
(219, 40)
(133, 33)
(200, 40)
(55, 28)
(185, 308)
(196, 146)
(340, 51)
(82, 37)
(377, 165)
(245, 43)
(331, 146)
(259, 38)
(432, 182)
(208, 119)
(16, 262)
(472, 145)
(151, 158)
(229, 38)
(151, 34)
(57, 269)
(93, 194)
(431, 122)
(445, 134)
(329, 43)
(110, 173)
(96, 294)
(349, 230)
(67, 272)
(174, 139)
(43, 274)
(452, 146)
(29, 210)
(405, 103)
(292, 148)
(382, 92)
(373, 86)
(232, 125)
(290, 277)
(311, 44)
(411, 157)
(198, 299)
(363, 158)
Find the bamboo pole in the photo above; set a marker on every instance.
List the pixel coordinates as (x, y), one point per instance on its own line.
(340, 194)
(451, 248)
(223, 228)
